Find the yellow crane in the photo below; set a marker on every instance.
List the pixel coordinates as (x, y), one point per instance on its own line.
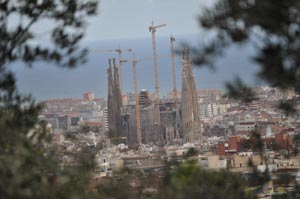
(137, 106)
(172, 40)
(137, 101)
(153, 29)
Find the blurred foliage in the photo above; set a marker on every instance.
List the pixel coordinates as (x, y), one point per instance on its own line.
(190, 181)
(28, 169)
(280, 196)
(20, 41)
(192, 152)
(254, 143)
(256, 179)
(272, 27)
(284, 178)
(238, 90)
(115, 188)
(287, 106)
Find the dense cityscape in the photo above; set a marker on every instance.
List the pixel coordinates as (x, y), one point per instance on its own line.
(135, 133)
(249, 138)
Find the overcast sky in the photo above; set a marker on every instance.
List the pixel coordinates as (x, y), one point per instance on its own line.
(126, 23)
(131, 18)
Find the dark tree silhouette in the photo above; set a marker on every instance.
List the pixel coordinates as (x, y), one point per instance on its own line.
(189, 181)
(254, 143)
(272, 27)
(27, 169)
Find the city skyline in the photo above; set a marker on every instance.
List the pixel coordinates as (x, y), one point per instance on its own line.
(149, 99)
(46, 81)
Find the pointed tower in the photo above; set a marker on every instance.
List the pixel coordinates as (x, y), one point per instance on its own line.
(110, 98)
(197, 133)
(114, 102)
(117, 99)
(189, 106)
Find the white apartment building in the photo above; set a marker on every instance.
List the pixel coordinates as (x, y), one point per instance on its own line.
(209, 110)
(105, 119)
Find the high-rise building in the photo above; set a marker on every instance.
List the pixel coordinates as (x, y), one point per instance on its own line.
(64, 122)
(105, 119)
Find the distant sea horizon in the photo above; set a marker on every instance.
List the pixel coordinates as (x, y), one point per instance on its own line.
(47, 81)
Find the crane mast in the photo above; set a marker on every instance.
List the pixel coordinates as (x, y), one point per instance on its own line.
(119, 51)
(155, 65)
(137, 104)
(172, 40)
(152, 29)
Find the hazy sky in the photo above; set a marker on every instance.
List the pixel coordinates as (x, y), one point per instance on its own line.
(126, 23)
(131, 18)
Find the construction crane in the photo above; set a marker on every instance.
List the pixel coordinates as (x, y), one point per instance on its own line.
(119, 51)
(152, 29)
(137, 106)
(172, 40)
(137, 101)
